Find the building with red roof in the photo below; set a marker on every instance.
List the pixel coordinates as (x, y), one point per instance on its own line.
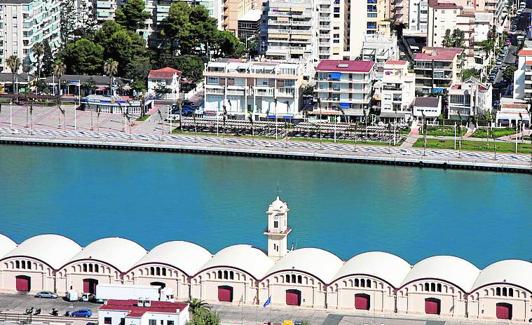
(165, 77)
(469, 98)
(344, 87)
(143, 312)
(437, 68)
(523, 75)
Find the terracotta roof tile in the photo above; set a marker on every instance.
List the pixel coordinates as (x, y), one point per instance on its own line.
(345, 65)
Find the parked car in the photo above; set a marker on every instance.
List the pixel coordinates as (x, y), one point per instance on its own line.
(80, 313)
(46, 294)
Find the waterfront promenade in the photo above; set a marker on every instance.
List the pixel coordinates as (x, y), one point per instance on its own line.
(111, 131)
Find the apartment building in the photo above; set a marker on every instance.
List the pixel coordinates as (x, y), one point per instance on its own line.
(23, 23)
(417, 18)
(332, 28)
(232, 10)
(523, 75)
(469, 98)
(292, 32)
(379, 49)
(399, 11)
(344, 85)
(262, 89)
(398, 90)
(437, 68)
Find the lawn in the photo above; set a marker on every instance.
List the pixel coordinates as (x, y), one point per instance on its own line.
(476, 145)
(444, 131)
(143, 118)
(498, 132)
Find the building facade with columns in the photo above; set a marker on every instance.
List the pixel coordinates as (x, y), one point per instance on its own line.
(376, 283)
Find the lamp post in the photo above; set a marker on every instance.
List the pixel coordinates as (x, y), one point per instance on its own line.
(275, 112)
(424, 128)
(11, 114)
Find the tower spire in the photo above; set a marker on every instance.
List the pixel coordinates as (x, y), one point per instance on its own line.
(278, 229)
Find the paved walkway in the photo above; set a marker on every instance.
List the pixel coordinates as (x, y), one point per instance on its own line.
(412, 136)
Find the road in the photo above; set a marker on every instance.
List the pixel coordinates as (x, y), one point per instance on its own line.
(152, 133)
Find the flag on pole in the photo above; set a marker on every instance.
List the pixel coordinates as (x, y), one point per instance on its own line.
(267, 302)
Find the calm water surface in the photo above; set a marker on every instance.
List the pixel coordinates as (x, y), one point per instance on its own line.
(219, 201)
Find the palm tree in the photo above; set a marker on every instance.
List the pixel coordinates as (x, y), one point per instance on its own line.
(38, 51)
(110, 67)
(14, 63)
(196, 305)
(59, 70)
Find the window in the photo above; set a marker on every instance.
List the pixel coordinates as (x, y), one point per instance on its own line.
(300, 279)
(170, 322)
(439, 287)
(231, 275)
(219, 274)
(29, 266)
(498, 291)
(90, 268)
(96, 268)
(152, 322)
(23, 264)
(368, 283)
(107, 320)
(158, 271)
(152, 270)
(123, 321)
(226, 275)
(287, 278)
(427, 287)
(276, 224)
(164, 272)
(17, 264)
(293, 278)
(356, 283)
(511, 292)
(504, 292)
(433, 287)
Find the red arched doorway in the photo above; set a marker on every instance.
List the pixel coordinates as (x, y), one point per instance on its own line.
(504, 310)
(362, 301)
(23, 283)
(89, 285)
(225, 293)
(432, 306)
(293, 297)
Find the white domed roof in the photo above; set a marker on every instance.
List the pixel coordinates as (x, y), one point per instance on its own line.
(318, 262)
(118, 252)
(388, 267)
(449, 268)
(516, 272)
(186, 256)
(6, 245)
(277, 204)
(55, 250)
(244, 257)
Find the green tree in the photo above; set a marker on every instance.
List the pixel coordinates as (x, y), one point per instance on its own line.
(47, 59)
(197, 305)
(110, 68)
(204, 317)
(447, 41)
(67, 20)
(191, 66)
(138, 70)
(59, 69)
(227, 45)
(176, 26)
(83, 57)
(13, 63)
(132, 14)
(38, 52)
(508, 73)
(88, 86)
(456, 38)
(468, 73)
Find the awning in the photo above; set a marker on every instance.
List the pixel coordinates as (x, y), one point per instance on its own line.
(335, 75)
(345, 105)
(437, 90)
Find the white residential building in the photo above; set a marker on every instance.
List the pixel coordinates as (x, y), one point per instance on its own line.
(344, 85)
(266, 89)
(523, 75)
(379, 49)
(470, 97)
(417, 18)
(436, 68)
(133, 312)
(398, 89)
(292, 29)
(428, 108)
(24, 23)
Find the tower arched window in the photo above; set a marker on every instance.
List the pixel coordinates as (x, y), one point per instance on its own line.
(84, 267)
(90, 268)
(158, 270)
(23, 264)
(226, 275)
(300, 279)
(504, 292)
(511, 292)
(427, 287)
(498, 291)
(164, 271)
(356, 283)
(368, 283)
(29, 265)
(287, 278)
(433, 287)
(439, 287)
(294, 278)
(152, 270)
(96, 268)
(231, 275)
(219, 274)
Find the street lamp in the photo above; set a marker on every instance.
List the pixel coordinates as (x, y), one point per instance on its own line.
(275, 112)
(424, 128)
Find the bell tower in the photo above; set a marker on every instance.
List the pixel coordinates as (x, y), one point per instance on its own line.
(278, 230)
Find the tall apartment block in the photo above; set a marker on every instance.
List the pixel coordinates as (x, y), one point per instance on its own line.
(24, 23)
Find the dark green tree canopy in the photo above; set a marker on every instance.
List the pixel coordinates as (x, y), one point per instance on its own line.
(83, 57)
(132, 14)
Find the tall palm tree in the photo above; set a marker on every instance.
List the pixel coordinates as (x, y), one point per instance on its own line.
(110, 67)
(14, 63)
(59, 70)
(38, 51)
(195, 305)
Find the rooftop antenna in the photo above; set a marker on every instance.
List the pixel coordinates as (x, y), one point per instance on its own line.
(278, 189)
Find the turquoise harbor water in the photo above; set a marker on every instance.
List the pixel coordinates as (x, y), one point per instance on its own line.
(219, 201)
